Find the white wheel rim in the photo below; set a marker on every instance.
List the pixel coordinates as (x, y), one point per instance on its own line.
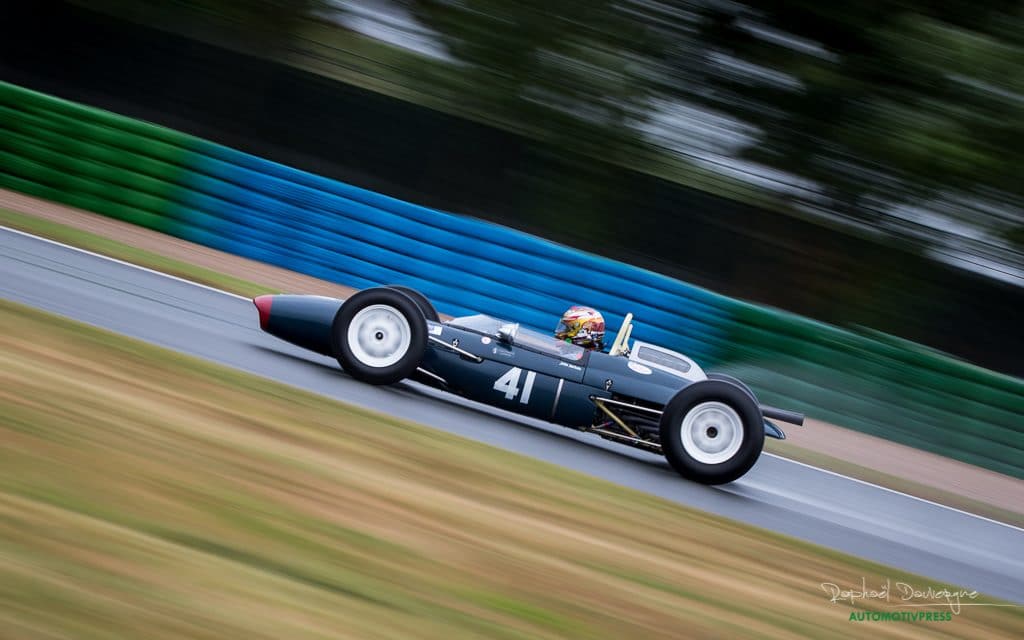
(379, 336)
(712, 432)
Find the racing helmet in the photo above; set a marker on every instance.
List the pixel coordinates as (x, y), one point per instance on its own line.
(582, 326)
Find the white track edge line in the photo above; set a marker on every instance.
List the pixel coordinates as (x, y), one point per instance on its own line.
(896, 491)
(125, 263)
(240, 297)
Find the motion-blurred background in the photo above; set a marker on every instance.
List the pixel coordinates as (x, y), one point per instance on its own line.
(822, 199)
(858, 163)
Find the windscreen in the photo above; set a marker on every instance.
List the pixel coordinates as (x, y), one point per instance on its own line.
(547, 343)
(480, 323)
(662, 359)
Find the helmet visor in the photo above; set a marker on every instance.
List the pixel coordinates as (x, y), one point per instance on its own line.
(562, 330)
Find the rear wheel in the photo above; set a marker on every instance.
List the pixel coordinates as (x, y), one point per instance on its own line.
(712, 432)
(379, 336)
(725, 377)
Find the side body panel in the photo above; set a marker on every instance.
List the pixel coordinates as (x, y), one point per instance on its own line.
(510, 377)
(643, 383)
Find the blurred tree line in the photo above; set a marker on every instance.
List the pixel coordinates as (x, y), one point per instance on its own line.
(906, 116)
(877, 104)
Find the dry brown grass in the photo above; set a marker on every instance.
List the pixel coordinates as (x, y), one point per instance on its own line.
(145, 494)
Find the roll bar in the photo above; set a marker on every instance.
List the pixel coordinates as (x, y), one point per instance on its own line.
(621, 344)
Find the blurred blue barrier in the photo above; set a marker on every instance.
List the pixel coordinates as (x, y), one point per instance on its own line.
(296, 220)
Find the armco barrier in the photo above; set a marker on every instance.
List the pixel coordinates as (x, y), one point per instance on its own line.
(246, 205)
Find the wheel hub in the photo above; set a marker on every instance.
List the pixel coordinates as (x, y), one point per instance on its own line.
(379, 335)
(712, 432)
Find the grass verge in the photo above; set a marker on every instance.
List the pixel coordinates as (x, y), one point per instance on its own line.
(114, 249)
(144, 493)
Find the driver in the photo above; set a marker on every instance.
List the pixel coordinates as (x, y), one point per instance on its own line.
(582, 326)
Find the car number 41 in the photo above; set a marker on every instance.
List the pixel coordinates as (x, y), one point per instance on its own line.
(509, 384)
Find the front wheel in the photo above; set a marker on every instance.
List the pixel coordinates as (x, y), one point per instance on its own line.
(712, 432)
(379, 336)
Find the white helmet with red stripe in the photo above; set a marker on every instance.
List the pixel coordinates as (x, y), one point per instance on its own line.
(582, 326)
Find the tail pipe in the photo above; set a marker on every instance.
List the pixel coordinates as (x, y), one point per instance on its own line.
(792, 417)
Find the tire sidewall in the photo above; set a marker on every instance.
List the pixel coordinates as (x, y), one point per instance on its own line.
(405, 306)
(725, 377)
(712, 391)
(421, 301)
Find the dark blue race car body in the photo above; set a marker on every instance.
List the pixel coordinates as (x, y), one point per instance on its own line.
(710, 427)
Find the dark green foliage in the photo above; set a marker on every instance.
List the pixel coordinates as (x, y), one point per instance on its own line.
(889, 101)
(874, 105)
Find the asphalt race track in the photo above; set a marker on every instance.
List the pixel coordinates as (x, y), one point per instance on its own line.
(818, 506)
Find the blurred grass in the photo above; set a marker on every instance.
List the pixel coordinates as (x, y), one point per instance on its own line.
(790, 451)
(121, 251)
(144, 493)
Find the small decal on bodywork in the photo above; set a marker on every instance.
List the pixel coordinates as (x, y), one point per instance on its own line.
(485, 340)
(574, 367)
(435, 329)
(639, 368)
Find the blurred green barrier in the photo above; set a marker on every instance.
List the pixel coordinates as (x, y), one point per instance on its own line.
(172, 182)
(92, 159)
(881, 385)
(72, 112)
(98, 144)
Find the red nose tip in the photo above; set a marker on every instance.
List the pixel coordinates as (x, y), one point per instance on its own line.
(263, 304)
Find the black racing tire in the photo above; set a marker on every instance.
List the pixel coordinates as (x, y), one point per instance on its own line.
(421, 301)
(725, 377)
(379, 336)
(699, 414)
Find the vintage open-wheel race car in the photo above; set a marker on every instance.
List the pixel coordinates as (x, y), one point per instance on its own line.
(710, 427)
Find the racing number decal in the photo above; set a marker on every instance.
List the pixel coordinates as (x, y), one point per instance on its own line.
(509, 384)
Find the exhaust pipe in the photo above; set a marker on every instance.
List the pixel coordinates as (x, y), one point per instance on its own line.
(792, 417)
